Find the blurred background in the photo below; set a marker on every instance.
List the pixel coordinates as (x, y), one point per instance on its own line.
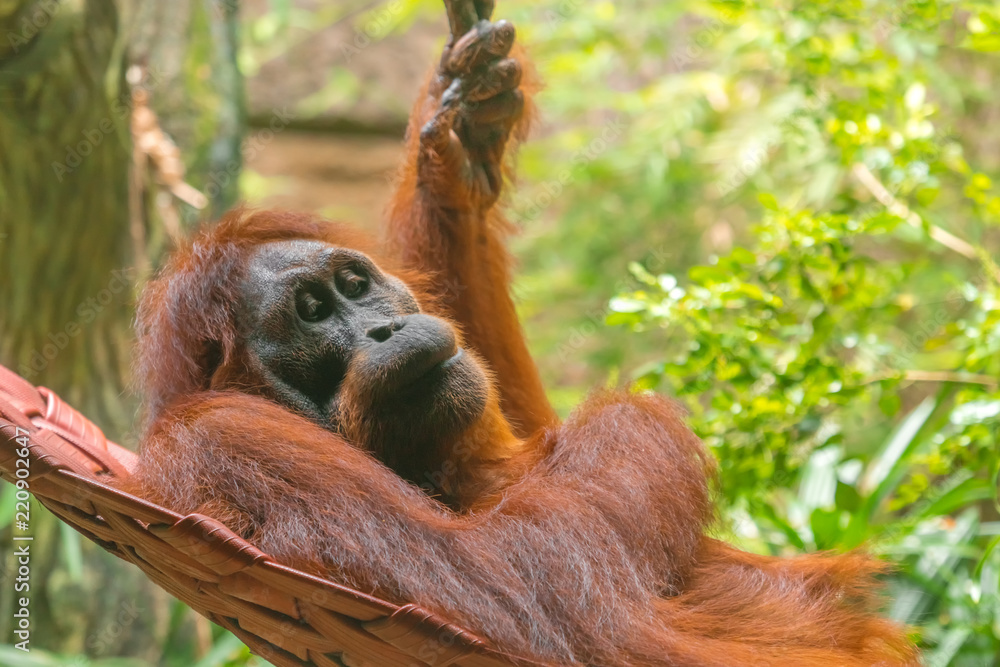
(785, 214)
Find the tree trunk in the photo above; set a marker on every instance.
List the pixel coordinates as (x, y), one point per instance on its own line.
(68, 253)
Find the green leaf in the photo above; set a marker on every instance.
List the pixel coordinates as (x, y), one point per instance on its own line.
(968, 492)
(819, 478)
(223, 648)
(743, 256)
(948, 647)
(991, 548)
(72, 552)
(708, 275)
(641, 274)
(751, 290)
(847, 497)
(768, 513)
(7, 502)
(825, 526)
(885, 469)
(890, 404)
(891, 464)
(12, 657)
(768, 201)
(983, 43)
(935, 565)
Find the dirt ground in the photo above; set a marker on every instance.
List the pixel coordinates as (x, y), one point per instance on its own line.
(341, 177)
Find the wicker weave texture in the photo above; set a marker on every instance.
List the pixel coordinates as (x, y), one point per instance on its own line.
(287, 617)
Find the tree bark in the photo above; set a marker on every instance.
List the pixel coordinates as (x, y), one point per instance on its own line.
(67, 252)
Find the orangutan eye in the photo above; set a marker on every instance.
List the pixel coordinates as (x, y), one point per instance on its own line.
(313, 304)
(352, 282)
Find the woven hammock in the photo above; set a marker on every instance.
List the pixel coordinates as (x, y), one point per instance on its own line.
(285, 616)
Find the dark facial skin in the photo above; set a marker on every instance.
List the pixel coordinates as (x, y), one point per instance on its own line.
(332, 337)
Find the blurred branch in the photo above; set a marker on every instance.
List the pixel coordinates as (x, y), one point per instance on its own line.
(898, 208)
(938, 376)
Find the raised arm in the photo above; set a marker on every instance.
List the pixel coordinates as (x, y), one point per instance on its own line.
(444, 220)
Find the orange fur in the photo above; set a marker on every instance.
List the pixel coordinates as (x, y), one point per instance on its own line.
(463, 249)
(578, 543)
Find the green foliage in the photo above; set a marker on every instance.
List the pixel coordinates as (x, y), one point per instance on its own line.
(226, 651)
(783, 209)
(843, 360)
(786, 212)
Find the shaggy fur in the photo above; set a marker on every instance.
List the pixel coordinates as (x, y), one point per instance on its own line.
(595, 557)
(582, 543)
